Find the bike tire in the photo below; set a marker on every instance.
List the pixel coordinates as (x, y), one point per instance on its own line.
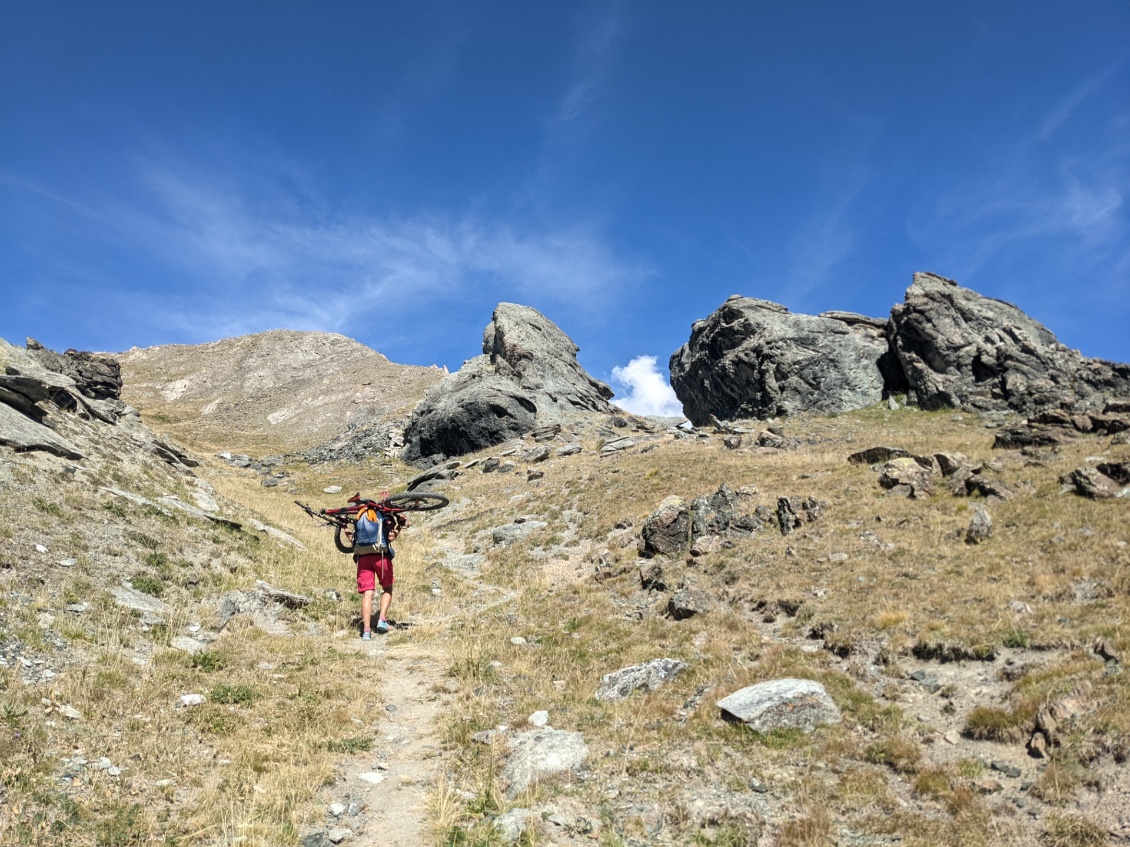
(339, 542)
(416, 501)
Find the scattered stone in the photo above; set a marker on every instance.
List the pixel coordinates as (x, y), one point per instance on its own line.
(571, 449)
(338, 835)
(337, 809)
(511, 825)
(781, 704)
(906, 477)
(646, 677)
(540, 754)
(188, 645)
(539, 718)
(518, 641)
(1090, 482)
(1008, 770)
(189, 700)
(877, 455)
(688, 602)
(980, 527)
(666, 531)
(332, 489)
(507, 534)
(372, 777)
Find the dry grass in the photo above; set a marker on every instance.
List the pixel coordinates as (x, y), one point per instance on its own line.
(880, 576)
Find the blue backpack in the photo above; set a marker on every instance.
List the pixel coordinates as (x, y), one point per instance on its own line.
(369, 531)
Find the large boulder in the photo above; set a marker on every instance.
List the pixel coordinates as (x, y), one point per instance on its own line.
(754, 359)
(528, 376)
(962, 350)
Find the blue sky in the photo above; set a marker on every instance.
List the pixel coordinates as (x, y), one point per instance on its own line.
(182, 172)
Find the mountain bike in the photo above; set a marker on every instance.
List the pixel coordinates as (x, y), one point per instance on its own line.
(390, 506)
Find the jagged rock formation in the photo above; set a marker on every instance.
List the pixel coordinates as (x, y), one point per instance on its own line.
(754, 359)
(527, 376)
(962, 350)
(945, 346)
(271, 392)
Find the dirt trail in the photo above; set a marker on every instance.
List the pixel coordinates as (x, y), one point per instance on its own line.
(386, 792)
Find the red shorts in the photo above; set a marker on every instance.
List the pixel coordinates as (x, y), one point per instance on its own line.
(372, 570)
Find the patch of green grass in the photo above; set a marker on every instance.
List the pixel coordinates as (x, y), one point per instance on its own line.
(47, 507)
(356, 744)
(234, 694)
(209, 661)
(146, 541)
(1017, 639)
(116, 509)
(148, 585)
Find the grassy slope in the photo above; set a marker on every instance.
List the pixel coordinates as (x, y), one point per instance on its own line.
(249, 764)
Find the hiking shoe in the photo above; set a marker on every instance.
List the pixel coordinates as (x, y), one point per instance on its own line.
(368, 636)
(382, 626)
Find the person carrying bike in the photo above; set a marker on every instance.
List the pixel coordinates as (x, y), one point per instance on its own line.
(373, 534)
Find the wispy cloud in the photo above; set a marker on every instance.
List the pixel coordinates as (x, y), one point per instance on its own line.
(1062, 111)
(245, 252)
(648, 393)
(590, 65)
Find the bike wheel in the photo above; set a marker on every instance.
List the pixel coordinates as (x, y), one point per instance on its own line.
(340, 542)
(416, 501)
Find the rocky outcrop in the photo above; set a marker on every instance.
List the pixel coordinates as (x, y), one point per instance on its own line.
(754, 359)
(527, 376)
(945, 346)
(962, 350)
(96, 375)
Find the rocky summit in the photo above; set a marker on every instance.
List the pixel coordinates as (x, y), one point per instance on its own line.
(527, 376)
(961, 350)
(944, 347)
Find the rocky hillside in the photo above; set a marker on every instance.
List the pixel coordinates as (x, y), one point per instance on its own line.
(887, 626)
(271, 392)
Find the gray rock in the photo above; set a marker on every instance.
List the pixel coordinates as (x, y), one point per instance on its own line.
(1089, 482)
(23, 433)
(570, 449)
(528, 376)
(667, 530)
(128, 597)
(540, 754)
(511, 825)
(980, 527)
(507, 534)
(965, 351)
(537, 454)
(688, 602)
(876, 455)
(188, 645)
(753, 359)
(720, 514)
(646, 677)
(781, 704)
(905, 476)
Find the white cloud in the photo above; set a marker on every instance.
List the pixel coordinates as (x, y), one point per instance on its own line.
(648, 392)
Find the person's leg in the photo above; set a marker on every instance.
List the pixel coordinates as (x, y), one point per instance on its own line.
(367, 608)
(386, 601)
